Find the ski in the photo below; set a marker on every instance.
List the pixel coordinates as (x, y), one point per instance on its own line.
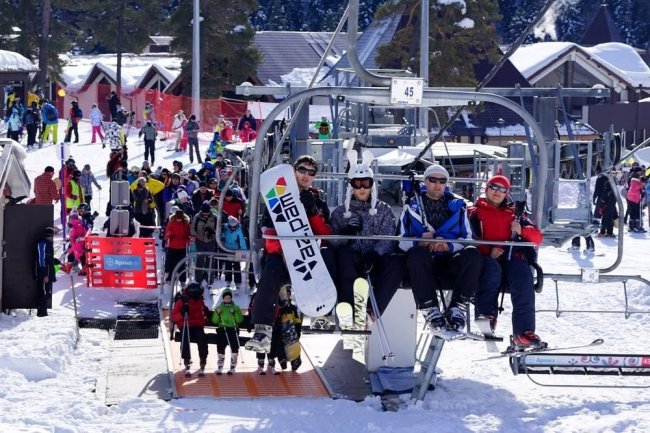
(513, 354)
(451, 335)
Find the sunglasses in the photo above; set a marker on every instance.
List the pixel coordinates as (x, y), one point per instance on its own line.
(440, 180)
(304, 170)
(496, 187)
(365, 182)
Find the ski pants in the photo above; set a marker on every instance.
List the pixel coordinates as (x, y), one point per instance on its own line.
(607, 215)
(274, 275)
(73, 128)
(203, 262)
(197, 335)
(227, 337)
(97, 130)
(172, 258)
(519, 281)
(230, 267)
(463, 268)
(146, 220)
(193, 143)
(44, 297)
(149, 149)
(54, 127)
(31, 134)
(386, 275)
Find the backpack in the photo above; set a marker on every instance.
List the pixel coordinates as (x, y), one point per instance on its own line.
(51, 114)
(78, 113)
(29, 118)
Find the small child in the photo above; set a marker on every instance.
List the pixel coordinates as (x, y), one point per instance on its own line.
(233, 239)
(227, 316)
(190, 315)
(76, 252)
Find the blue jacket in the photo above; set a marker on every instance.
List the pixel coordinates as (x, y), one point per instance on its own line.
(455, 227)
(233, 239)
(49, 108)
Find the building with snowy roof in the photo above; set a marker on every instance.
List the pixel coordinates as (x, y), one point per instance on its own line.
(15, 71)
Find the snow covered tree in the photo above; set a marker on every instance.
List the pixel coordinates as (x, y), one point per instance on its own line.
(570, 24)
(455, 45)
(227, 54)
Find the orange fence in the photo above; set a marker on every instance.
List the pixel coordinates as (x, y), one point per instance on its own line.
(121, 262)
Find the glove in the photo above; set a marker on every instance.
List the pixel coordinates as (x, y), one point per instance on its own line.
(369, 260)
(353, 226)
(309, 202)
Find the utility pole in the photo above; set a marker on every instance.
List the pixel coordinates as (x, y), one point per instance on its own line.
(120, 31)
(196, 61)
(424, 59)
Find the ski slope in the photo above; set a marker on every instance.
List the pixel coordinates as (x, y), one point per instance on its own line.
(48, 385)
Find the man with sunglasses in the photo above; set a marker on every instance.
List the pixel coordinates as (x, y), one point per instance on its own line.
(274, 273)
(494, 219)
(364, 214)
(439, 214)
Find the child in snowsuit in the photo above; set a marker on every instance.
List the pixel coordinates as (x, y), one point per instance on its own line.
(76, 252)
(190, 315)
(227, 316)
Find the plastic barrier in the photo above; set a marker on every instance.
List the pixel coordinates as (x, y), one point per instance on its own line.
(121, 262)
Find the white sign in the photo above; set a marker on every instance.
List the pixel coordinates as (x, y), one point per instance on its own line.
(406, 91)
(590, 275)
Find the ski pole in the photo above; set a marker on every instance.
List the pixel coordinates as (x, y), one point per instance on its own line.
(185, 330)
(380, 325)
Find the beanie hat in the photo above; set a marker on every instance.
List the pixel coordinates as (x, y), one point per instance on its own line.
(232, 221)
(205, 207)
(142, 180)
(436, 169)
(226, 292)
(360, 171)
(174, 209)
(48, 232)
(181, 195)
(501, 180)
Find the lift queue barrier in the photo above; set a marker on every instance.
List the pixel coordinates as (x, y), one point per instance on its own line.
(121, 262)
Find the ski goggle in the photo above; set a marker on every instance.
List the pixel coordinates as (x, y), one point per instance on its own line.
(497, 187)
(365, 182)
(304, 170)
(440, 180)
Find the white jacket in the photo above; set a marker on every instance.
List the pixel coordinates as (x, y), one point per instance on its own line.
(96, 116)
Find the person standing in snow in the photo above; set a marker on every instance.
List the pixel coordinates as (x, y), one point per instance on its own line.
(227, 316)
(45, 273)
(178, 125)
(86, 180)
(73, 126)
(192, 130)
(190, 315)
(96, 118)
(150, 133)
(247, 117)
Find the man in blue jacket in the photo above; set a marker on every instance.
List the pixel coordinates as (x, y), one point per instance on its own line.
(439, 214)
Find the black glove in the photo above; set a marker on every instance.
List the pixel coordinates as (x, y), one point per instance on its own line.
(309, 202)
(353, 226)
(369, 260)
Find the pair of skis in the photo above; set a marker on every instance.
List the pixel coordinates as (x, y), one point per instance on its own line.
(512, 353)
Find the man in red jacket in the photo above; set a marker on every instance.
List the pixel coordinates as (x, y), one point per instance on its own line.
(494, 219)
(177, 237)
(274, 274)
(45, 190)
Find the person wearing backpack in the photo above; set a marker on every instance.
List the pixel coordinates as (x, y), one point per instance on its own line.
(50, 117)
(32, 121)
(73, 125)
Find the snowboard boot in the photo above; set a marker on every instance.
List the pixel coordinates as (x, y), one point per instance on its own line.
(233, 364)
(202, 368)
(295, 364)
(221, 359)
(283, 364)
(527, 341)
(433, 318)
(455, 318)
(272, 368)
(261, 340)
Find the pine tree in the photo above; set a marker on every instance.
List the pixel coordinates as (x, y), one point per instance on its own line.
(570, 24)
(227, 54)
(454, 50)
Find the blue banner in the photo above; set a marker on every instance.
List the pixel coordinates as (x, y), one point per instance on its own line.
(122, 263)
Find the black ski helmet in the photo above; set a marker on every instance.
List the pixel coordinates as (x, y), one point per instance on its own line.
(194, 291)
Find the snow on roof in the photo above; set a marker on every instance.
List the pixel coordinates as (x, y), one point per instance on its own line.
(625, 60)
(78, 69)
(620, 59)
(14, 62)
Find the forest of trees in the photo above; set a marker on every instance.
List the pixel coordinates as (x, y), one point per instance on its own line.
(228, 29)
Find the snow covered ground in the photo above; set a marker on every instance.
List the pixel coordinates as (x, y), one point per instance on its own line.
(48, 384)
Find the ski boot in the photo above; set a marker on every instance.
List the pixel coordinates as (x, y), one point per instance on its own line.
(433, 318)
(260, 367)
(295, 364)
(220, 361)
(272, 368)
(455, 318)
(202, 368)
(233, 364)
(527, 342)
(187, 372)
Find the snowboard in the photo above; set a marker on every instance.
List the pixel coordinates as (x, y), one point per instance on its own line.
(344, 316)
(289, 336)
(360, 288)
(312, 284)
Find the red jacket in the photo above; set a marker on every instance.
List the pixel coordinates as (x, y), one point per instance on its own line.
(45, 189)
(234, 208)
(196, 315)
(177, 233)
(493, 224)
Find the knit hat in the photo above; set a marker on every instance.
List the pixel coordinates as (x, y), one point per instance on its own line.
(142, 180)
(360, 171)
(436, 169)
(174, 209)
(49, 232)
(205, 207)
(181, 195)
(501, 180)
(226, 292)
(232, 221)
